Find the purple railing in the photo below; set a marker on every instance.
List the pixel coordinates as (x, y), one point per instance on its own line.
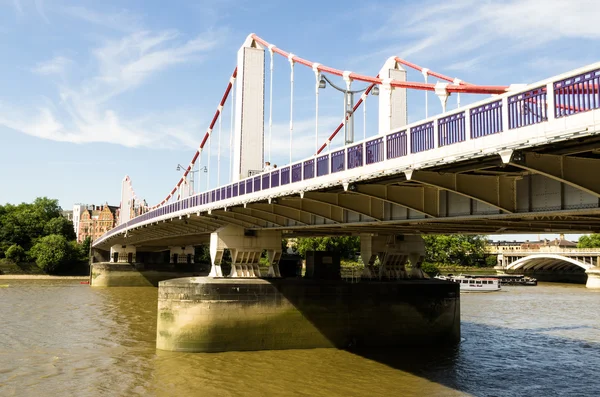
(396, 145)
(421, 137)
(573, 95)
(374, 151)
(323, 165)
(451, 129)
(257, 183)
(527, 108)
(275, 178)
(337, 161)
(355, 156)
(309, 169)
(285, 176)
(296, 173)
(577, 94)
(486, 119)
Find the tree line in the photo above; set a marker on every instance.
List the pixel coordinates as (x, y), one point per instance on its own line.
(37, 232)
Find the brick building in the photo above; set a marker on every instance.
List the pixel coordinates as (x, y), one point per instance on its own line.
(96, 220)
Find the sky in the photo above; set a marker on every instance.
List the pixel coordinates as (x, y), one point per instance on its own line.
(93, 91)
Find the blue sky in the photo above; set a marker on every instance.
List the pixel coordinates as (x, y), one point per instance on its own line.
(93, 91)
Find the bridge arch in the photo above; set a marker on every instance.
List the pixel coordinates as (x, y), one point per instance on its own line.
(547, 262)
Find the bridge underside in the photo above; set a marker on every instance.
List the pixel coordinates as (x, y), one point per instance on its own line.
(549, 189)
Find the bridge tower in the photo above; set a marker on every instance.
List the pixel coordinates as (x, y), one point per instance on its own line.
(248, 139)
(392, 101)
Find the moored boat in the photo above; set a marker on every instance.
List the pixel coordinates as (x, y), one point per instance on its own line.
(474, 284)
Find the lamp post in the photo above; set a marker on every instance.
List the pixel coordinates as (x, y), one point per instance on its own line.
(348, 105)
(192, 172)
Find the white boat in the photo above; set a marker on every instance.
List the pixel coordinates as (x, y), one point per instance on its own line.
(474, 284)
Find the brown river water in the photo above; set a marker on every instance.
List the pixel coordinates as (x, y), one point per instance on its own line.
(61, 338)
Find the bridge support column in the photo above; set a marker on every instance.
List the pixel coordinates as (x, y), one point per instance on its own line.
(248, 150)
(246, 247)
(393, 252)
(182, 254)
(122, 254)
(593, 280)
(392, 101)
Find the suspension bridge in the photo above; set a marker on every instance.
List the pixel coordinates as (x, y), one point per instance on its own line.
(524, 158)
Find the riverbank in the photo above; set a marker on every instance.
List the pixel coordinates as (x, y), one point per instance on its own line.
(40, 277)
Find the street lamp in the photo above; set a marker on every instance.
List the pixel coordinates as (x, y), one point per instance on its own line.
(348, 105)
(192, 171)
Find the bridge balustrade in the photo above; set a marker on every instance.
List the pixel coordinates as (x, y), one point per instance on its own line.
(337, 161)
(355, 156)
(285, 175)
(374, 151)
(296, 173)
(275, 178)
(527, 108)
(451, 129)
(265, 181)
(577, 94)
(571, 95)
(309, 169)
(421, 137)
(322, 165)
(396, 145)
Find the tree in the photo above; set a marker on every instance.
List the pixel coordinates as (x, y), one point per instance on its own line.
(15, 253)
(62, 226)
(85, 246)
(589, 241)
(455, 249)
(52, 253)
(347, 246)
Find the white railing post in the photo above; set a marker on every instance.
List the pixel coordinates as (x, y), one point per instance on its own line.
(467, 124)
(550, 105)
(505, 114)
(435, 134)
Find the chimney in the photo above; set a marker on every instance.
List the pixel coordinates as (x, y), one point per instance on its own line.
(562, 236)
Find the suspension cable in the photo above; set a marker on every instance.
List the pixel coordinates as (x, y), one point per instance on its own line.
(271, 67)
(231, 131)
(219, 149)
(291, 59)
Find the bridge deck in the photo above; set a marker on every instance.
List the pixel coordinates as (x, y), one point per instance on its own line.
(525, 155)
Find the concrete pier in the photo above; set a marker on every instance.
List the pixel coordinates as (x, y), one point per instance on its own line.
(110, 274)
(593, 280)
(203, 314)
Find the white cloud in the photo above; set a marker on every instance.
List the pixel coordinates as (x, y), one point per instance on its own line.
(56, 65)
(122, 21)
(440, 29)
(84, 111)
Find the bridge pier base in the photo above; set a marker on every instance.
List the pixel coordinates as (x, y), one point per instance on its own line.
(246, 247)
(182, 254)
(203, 314)
(593, 280)
(393, 253)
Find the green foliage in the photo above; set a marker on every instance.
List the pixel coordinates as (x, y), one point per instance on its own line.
(53, 253)
(430, 268)
(457, 249)
(347, 246)
(24, 223)
(15, 253)
(61, 226)
(491, 260)
(589, 241)
(84, 248)
(40, 232)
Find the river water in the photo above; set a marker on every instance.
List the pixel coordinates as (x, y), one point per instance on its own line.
(61, 338)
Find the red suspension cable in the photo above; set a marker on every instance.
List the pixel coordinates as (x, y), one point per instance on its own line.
(206, 136)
